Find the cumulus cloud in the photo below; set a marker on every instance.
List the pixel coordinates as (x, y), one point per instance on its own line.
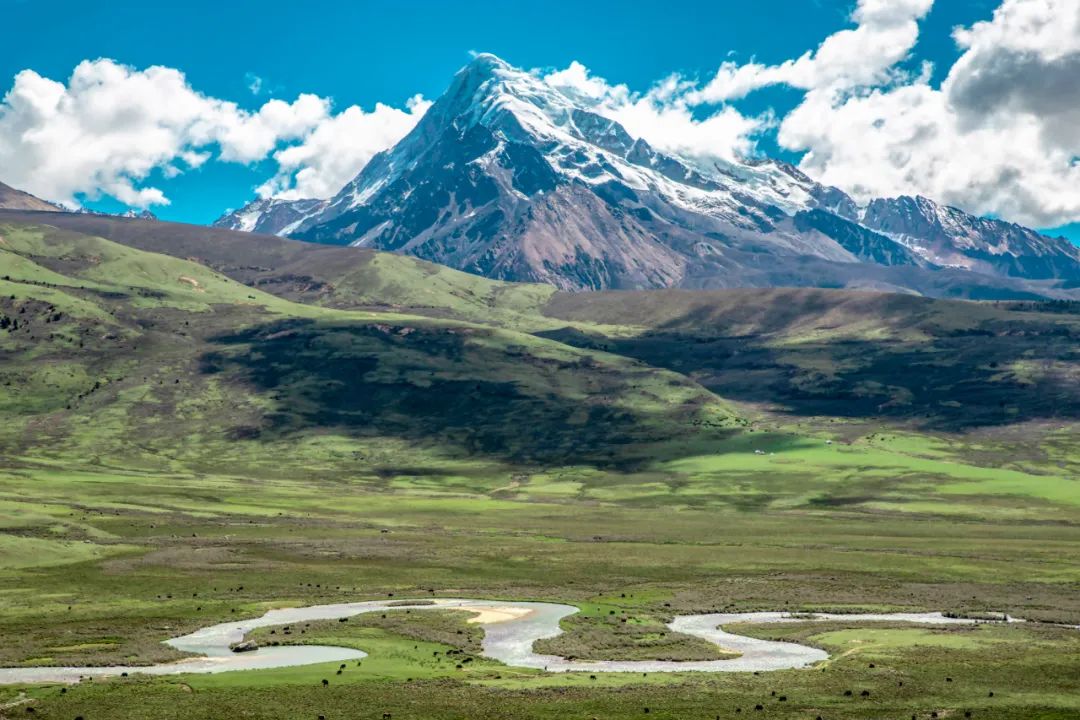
(999, 136)
(579, 84)
(680, 116)
(885, 33)
(110, 126)
(1026, 60)
(664, 115)
(338, 148)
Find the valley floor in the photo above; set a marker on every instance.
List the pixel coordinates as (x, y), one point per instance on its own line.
(197, 427)
(94, 572)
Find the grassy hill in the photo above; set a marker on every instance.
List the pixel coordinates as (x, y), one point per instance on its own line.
(198, 425)
(323, 275)
(929, 364)
(105, 342)
(331, 353)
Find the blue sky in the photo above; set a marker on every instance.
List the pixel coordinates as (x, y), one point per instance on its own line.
(366, 52)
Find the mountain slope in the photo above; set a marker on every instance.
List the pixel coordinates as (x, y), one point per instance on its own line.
(506, 177)
(12, 199)
(270, 216)
(932, 364)
(950, 237)
(118, 355)
(314, 274)
(935, 363)
(361, 278)
(864, 244)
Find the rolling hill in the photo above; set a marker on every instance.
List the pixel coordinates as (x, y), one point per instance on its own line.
(933, 364)
(197, 424)
(103, 343)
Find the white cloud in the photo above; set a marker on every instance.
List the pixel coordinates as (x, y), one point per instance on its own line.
(577, 83)
(247, 137)
(671, 117)
(662, 116)
(110, 126)
(885, 33)
(338, 148)
(1000, 136)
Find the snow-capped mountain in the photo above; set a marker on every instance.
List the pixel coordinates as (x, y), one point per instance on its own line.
(507, 177)
(950, 237)
(138, 214)
(130, 214)
(271, 216)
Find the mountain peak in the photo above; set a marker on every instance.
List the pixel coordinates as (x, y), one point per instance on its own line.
(270, 215)
(486, 64)
(487, 74)
(489, 91)
(508, 177)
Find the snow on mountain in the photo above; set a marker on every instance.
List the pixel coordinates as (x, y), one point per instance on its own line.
(270, 216)
(507, 177)
(139, 214)
(130, 213)
(950, 237)
(12, 199)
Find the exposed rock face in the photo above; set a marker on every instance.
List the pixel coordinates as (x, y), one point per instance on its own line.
(507, 177)
(270, 216)
(12, 199)
(861, 242)
(947, 236)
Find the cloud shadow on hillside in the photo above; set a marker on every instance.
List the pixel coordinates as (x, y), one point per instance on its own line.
(431, 386)
(956, 380)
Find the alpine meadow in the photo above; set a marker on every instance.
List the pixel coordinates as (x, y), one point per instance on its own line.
(543, 398)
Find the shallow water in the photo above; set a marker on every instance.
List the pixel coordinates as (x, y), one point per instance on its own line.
(508, 640)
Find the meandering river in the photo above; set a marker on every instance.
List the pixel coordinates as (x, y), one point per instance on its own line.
(510, 629)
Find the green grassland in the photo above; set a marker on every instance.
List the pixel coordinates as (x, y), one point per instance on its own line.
(607, 632)
(197, 426)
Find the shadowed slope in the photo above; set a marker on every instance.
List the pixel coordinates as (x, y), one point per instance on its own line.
(112, 352)
(942, 364)
(945, 364)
